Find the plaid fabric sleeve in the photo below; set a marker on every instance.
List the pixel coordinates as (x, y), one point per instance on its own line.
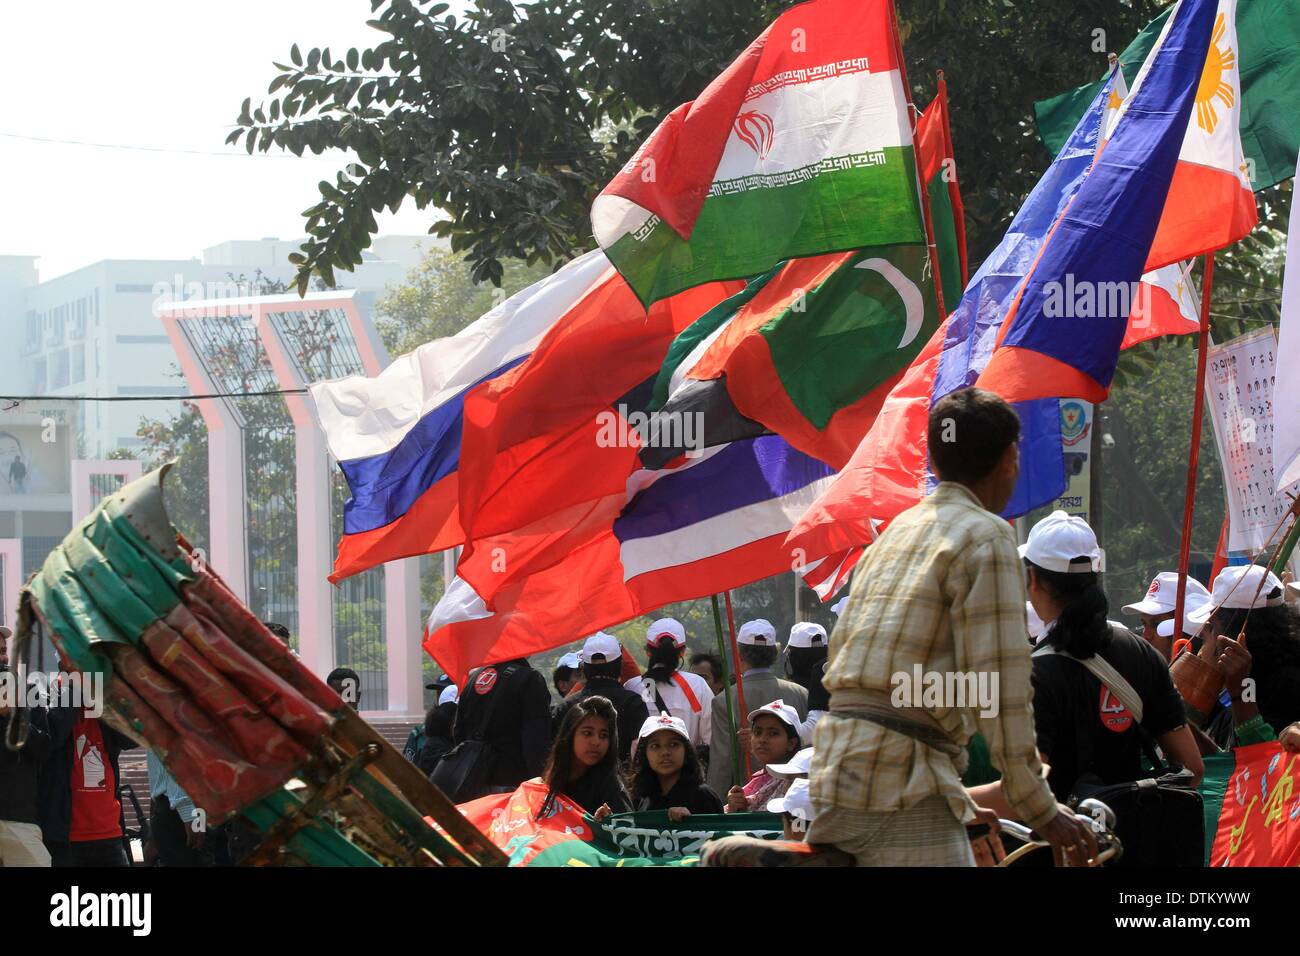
(988, 620)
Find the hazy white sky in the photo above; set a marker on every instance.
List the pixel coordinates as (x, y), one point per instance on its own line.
(158, 73)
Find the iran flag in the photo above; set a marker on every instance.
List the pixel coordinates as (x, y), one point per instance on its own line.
(801, 147)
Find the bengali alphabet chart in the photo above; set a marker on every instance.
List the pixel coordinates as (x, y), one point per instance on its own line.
(1239, 386)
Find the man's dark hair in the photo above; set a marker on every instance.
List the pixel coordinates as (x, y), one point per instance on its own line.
(970, 430)
(562, 673)
(612, 669)
(713, 660)
(278, 629)
(338, 681)
(757, 655)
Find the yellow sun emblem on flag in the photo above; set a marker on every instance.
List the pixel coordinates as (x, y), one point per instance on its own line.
(1213, 85)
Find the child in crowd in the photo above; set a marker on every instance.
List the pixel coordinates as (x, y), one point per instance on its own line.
(666, 772)
(583, 764)
(795, 808)
(774, 739)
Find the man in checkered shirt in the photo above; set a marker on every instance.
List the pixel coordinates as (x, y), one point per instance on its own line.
(943, 589)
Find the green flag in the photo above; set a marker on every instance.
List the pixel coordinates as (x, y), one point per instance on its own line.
(1268, 32)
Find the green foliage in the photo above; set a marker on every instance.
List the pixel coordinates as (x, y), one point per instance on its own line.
(508, 120)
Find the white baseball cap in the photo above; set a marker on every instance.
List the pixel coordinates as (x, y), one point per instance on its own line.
(1235, 588)
(807, 634)
(1034, 622)
(666, 627)
(757, 631)
(1059, 543)
(664, 721)
(450, 694)
(602, 645)
(1163, 594)
(797, 766)
(838, 607)
(570, 660)
(797, 802)
(781, 711)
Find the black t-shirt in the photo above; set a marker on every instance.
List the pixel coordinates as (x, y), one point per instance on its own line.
(1084, 729)
(593, 789)
(697, 799)
(520, 727)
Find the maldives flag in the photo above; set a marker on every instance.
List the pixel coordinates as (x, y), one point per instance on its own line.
(802, 146)
(772, 358)
(1252, 807)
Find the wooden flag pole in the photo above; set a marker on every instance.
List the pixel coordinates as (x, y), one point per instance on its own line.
(740, 684)
(1193, 457)
(726, 684)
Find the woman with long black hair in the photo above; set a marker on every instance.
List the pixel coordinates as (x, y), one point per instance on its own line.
(665, 687)
(1097, 687)
(583, 764)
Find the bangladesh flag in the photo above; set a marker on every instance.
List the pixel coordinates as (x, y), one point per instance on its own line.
(1268, 35)
(566, 836)
(1252, 807)
(802, 146)
(810, 349)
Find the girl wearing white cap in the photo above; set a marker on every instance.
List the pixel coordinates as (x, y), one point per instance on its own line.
(1097, 686)
(666, 771)
(773, 739)
(1249, 598)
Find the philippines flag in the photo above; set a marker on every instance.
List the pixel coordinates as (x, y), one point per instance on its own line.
(1052, 342)
(888, 472)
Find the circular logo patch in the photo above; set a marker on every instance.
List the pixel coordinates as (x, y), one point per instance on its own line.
(1115, 716)
(486, 680)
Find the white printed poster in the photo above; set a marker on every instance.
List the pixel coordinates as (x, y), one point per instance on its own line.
(1239, 388)
(1076, 447)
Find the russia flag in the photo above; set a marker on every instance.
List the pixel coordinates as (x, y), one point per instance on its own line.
(397, 436)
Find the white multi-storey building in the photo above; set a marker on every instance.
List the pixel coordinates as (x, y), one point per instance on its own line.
(94, 332)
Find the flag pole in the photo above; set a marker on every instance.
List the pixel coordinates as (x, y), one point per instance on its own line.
(740, 684)
(726, 684)
(1193, 457)
(932, 246)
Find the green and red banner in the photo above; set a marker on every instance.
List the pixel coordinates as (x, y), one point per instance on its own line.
(1252, 807)
(566, 836)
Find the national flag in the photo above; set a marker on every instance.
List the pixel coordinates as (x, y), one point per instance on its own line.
(1100, 243)
(1210, 203)
(1286, 395)
(938, 165)
(1268, 59)
(802, 146)
(396, 436)
(1252, 807)
(708, 524)
(888, 471)
(567, 836)
(772, 359)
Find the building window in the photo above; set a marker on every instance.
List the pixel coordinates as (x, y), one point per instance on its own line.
(78, 373)
(59, 368)
(133, 287)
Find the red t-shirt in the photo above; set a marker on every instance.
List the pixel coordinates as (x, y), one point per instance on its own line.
(96, 813)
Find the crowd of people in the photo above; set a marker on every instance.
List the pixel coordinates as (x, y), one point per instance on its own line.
(1083, 704)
